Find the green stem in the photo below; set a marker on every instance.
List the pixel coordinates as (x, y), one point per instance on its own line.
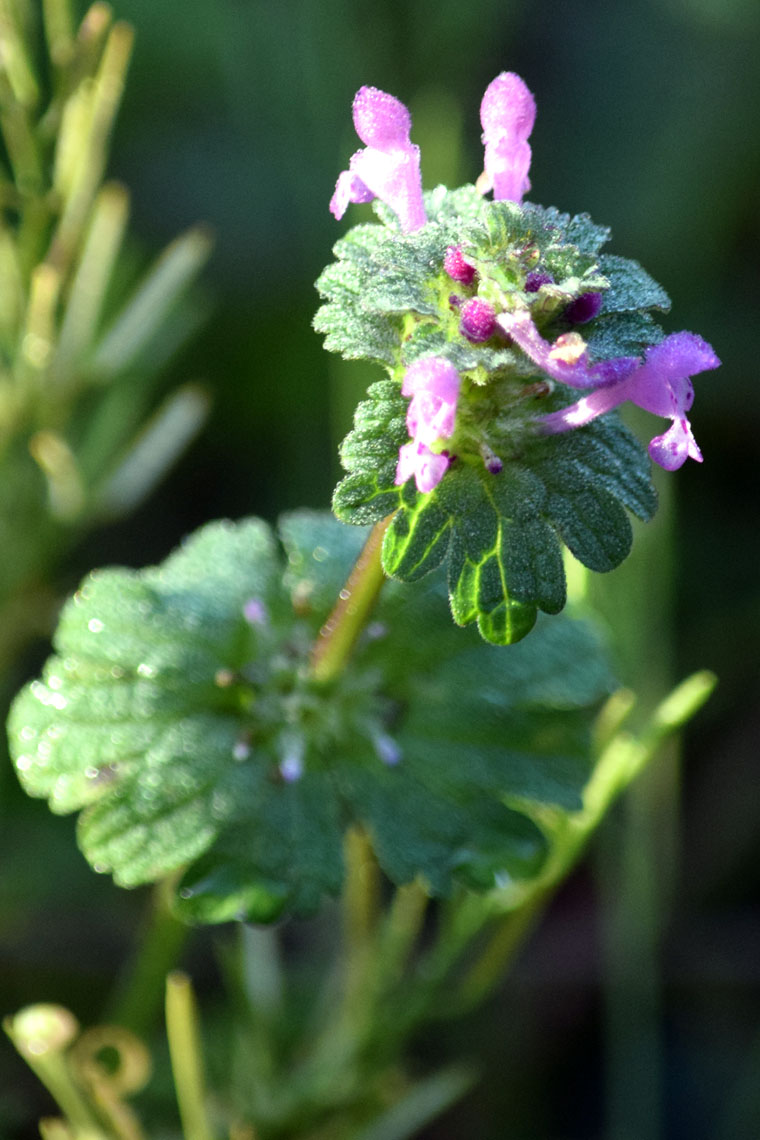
(42, 1035)
(357, 598)
(500, 950)
(361, 895)
(139, 997)
(185, 1055)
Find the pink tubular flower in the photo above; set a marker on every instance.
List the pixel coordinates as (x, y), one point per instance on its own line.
(433, 385)
(661, 384)
(507, 114)
(389, 165)
(427, 467)
(566, 360)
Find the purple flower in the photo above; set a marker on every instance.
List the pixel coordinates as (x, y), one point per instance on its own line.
(478, 322)
(507, 114)
(457, 268)
(660, 384)
(566, 360)
(434, 374)
(584, 308)
(425, 465)
(433, 384)
(430, 418)
(388, 167)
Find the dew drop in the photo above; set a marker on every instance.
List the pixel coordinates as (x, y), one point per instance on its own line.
(319, 554)
(95, 625)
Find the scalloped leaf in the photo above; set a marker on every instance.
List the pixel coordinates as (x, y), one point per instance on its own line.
(500, 533)
(165, 716)
(631, 287)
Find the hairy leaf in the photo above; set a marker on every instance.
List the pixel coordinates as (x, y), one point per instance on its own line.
(179, 717)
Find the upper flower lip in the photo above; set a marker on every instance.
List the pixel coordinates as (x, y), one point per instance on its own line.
(388, 167)
(381, 120)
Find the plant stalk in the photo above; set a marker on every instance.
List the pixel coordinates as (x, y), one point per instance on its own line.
(337, 636)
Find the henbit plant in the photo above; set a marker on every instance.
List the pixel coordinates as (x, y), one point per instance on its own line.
(228, 729)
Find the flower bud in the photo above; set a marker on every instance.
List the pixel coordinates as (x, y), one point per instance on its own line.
(478, 322)
(457, 268)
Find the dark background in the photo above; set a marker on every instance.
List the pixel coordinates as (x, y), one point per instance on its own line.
(238, 113)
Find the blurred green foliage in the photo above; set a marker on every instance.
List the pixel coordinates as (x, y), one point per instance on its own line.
(237, 113)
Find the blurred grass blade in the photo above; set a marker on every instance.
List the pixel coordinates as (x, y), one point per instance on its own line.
(424, 1102)
(66, 494)
(144, 315)
(38, 333)
(185, 1054)
(12, 297)
(14, 60)
(155, 450)
(20, 141)
(91, 279)
(59, 32)
(82, 149)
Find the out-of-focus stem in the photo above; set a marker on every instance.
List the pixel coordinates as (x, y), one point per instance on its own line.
(140, 995)
(361, 892)
(357, 598)
(42, 1035)
(185, 1054)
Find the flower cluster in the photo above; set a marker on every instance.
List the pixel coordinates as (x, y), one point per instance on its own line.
(660, 383)
(487, 313)
(433, 385)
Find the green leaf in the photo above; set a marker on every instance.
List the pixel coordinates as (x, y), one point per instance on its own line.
(631, 287)
(166, 717)
(622, 334)
(417, 540)
(501, 533)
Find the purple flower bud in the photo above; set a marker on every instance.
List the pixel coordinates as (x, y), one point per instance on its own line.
(255, 612)
(291, 765)
(241, 749)
(478, 322)
(388, 167)
(457, 268)
(535, 279)
(584, 308)
(491, 461)
(387, 749)
(507, 113)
